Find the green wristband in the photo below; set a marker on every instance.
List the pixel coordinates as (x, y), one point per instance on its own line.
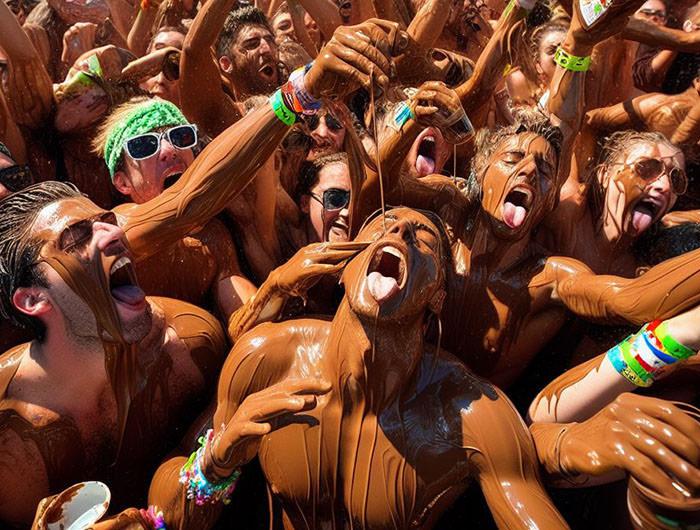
(285, 115)
(673, 347)
(634, 365)
(571, 62)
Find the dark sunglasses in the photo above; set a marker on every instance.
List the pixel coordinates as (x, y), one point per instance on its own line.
(77, 235)
(332, 122)
(333, 199)
(15, 178)
(653, 13)
(146, 145)
(650, 169)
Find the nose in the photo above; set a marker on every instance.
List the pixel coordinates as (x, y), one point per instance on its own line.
(402, 230)
(264, 48)
(528, 168)
(109, 239)
(661, 184)
(167, 151)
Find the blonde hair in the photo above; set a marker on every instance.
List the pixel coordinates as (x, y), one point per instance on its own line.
(118, 114)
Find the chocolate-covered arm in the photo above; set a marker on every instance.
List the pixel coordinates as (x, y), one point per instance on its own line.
(202, 98)
(216, 177)
(29, 89)
(427, 25)
(661, 37)
(325, 14)
(688, 132)
(662, 292)
(489, 68)
(140, 31)
(293, 278)
(649, 438)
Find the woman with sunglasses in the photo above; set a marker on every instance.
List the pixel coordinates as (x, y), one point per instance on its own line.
(148, 144)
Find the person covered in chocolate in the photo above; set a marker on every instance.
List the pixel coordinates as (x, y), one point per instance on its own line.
(113, 376)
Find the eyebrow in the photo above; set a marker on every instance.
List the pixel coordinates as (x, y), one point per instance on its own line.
(427, 229)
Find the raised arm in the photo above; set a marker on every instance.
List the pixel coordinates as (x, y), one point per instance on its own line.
(29, 89)
(427, 25)
(661, 37)
(202, 97)
(325, 13)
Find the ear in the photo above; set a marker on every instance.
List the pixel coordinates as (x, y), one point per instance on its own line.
(31, 301)
(278, 160)
(225, 64)
(696, 84)
(437, 301)
(304, 203)
(122, 183)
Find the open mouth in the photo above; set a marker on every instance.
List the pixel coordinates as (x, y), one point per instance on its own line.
(454, 75)
(425, 160)
(171, 179)
(644, 213)
(516, 206)
(268, 71)
(123, 284)
(386, 274)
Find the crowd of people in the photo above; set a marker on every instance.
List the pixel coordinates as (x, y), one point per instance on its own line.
(373, 264)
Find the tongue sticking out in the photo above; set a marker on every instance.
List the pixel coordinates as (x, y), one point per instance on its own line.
(513, 215)
(129, 294)
(425, 165)
(381, 287)
(641, 218)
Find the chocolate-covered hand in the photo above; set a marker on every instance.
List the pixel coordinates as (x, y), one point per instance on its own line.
(652, 439)
(260, 413)
(166, 60)
(436, 105)
(610, 23)
(78, 39)
(303, 270)
(356, 57)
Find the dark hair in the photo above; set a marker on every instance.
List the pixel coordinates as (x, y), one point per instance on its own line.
(660, 243)
(527, 121)
(235, 22)
(308, 174)
(18, 251)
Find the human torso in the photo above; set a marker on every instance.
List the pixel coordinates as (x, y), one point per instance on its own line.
(78, 438)
(359, 465)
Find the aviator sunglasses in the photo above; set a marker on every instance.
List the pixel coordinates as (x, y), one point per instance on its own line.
(650, 169)
(332, 122)
(333, 199)
(146, 145)
(75, 236)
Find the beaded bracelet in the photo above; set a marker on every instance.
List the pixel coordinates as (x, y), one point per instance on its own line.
(155, 516)
(283, 112)
(571, 62)
(198, 487)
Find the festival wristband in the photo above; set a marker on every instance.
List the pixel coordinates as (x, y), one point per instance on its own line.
(571, 62)
(295, 88)
(671, 345)
(402, 113)
(198, 487)
(154, 515)
(285, 115)
(527, 5)
(616, 358)
(633, 363)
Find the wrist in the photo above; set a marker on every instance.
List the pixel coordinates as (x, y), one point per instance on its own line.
(575, 47)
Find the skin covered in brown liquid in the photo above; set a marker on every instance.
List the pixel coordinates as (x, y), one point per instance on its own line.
(403, 428)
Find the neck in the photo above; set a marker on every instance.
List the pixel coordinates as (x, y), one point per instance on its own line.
(373, 360)
(497, 252)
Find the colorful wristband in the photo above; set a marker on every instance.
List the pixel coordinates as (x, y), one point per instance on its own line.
(295, 89)
(155, 516)
(671, 345)
(199, 488)
(285, 115)
(571, 62)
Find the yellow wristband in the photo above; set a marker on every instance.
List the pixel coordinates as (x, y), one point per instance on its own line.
(571, 62)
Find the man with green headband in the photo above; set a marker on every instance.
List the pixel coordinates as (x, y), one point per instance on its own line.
(113, 379)
(147, 145)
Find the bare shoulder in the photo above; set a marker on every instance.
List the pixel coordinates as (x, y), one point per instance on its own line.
(196, 326)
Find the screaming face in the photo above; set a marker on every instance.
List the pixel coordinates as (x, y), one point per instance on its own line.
(396, 277)
(519, 185)
(89, 269)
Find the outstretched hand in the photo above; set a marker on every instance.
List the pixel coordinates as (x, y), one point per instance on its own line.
(652, 439)
(610, 23)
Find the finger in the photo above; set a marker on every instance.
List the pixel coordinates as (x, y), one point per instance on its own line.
(348, 245)
(355, 59)
(275, 406)
(348, 71)
(329, 256)
(672, 415)
(255, 429)
(669, 462)
(362, 45)
(396, 39)
(649, 474)
(674, 439)
(421, 111)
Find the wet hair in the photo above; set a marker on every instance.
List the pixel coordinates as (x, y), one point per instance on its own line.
(18, 251)
(612, 149)
(166, 29)
(541, 32)
(309, 172)
(487, 142)
(660, 243)
(235, 22)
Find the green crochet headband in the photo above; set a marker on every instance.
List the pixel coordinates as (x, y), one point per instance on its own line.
(147, 117)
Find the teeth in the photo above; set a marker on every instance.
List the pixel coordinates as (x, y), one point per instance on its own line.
(393, 251)
(121, 262)
(429, 139)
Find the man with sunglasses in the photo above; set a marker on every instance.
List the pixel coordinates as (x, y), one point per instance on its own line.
(148, 144)
(327, 132)
(113, 379)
